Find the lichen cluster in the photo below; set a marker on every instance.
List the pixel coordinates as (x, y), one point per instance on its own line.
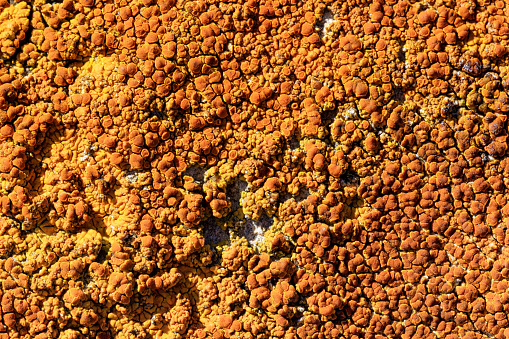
(254, 169)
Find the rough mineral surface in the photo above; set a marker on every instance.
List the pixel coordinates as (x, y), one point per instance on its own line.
(254, 169)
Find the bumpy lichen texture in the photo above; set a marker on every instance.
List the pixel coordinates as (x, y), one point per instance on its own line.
(254, 169)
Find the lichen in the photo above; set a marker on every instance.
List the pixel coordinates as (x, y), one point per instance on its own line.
(254, 169)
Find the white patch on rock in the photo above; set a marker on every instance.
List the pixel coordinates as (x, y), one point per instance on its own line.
(326, 22)
(131, 177)
(254, 230)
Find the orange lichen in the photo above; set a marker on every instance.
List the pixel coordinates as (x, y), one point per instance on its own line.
(253, 169)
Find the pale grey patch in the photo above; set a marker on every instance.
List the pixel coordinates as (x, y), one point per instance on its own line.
(254, 230)
(349, 114)
(325, 24)
(131, 177)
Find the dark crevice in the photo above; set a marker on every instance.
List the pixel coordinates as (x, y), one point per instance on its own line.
(157, 114)
(213, 233)
(234, 193)
(399, 95)
(350, 178)
(101, 256)
(196, 172)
